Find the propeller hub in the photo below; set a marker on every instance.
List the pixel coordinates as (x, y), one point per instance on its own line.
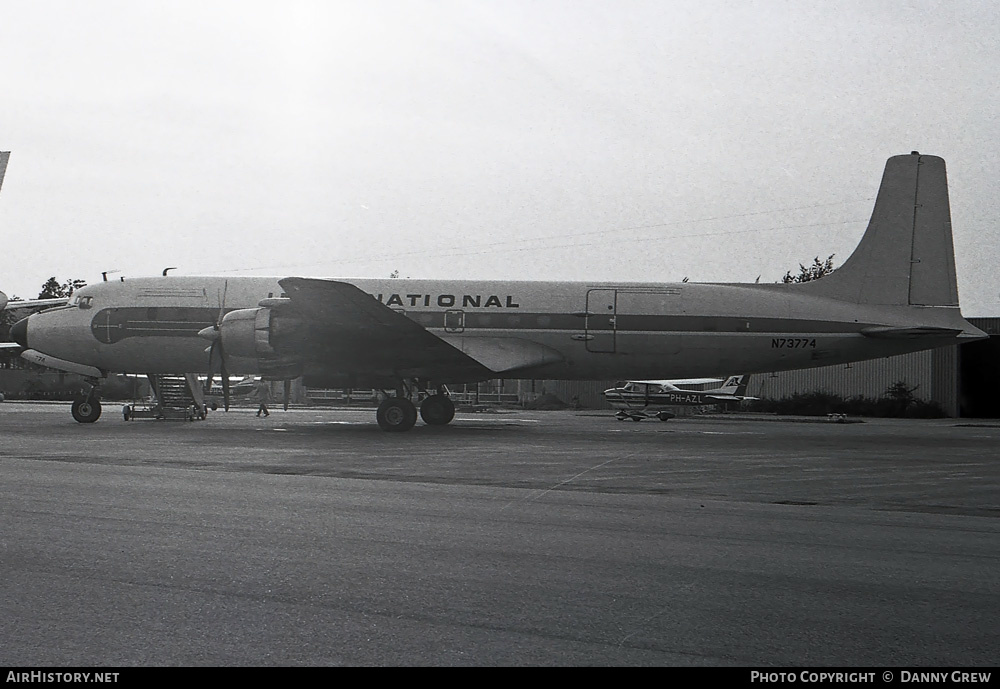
(211, 333)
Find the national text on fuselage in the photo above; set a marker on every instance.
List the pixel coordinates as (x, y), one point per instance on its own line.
(448, 301)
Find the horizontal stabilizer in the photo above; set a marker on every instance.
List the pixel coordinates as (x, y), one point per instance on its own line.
(891, 333)
(504, 353)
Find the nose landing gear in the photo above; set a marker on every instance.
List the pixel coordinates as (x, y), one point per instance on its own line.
(87, 408)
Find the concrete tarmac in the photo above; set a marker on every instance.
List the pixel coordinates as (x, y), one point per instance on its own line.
(529, 538)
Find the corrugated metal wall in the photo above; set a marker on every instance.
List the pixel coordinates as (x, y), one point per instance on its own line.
(864, 378)
(990, 326)
(589, 394)
(944, 379)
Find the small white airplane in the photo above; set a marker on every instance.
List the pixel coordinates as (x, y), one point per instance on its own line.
(643, 399)
(896, 293)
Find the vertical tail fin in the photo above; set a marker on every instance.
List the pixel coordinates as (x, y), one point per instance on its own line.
(4, 156)
(734, 385)
(906, 255)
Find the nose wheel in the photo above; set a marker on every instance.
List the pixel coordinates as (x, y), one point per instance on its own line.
(86, 409)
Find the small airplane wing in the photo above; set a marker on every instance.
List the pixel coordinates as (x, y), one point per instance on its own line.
(347, 327)
(679, 381)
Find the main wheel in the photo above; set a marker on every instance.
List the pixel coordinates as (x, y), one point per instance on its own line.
(437, 410)
(86, 409)
(396, 414)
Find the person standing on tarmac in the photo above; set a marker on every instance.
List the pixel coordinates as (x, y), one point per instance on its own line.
(262, 393)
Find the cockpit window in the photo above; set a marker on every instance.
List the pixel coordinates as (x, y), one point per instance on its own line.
(84, 302)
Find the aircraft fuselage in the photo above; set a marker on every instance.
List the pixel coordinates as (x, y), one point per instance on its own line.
(595, 330)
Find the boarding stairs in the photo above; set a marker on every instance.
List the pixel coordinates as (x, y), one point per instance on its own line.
(178, 397)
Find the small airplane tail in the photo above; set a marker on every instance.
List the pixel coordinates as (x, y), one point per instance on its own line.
(734, 385)
(906, 256)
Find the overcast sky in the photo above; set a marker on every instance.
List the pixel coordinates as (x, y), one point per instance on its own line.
(631, 141)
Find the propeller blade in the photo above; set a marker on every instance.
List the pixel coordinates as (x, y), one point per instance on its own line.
(288, 391)
(214, 333)
(225, 378)
(211, 368)
(222, 304)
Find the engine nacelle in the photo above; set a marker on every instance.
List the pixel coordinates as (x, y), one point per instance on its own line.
(248, 333)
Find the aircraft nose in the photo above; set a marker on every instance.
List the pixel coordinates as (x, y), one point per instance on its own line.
(19, 332)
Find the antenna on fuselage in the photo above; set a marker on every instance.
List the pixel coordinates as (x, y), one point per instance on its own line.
(106, 273)
(166, 269)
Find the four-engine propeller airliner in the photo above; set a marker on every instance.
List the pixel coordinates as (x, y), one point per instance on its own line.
(643, 399)
(897, 293)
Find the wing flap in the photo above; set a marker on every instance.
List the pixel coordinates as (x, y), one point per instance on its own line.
(500, 354)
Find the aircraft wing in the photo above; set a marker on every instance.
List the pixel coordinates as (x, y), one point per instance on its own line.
(346, 328)
(30, 303)
(680, 381)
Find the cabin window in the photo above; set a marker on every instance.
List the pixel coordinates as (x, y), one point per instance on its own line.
(84, 302)
(454, 320)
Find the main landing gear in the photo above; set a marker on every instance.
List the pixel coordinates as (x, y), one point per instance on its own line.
(399, 414)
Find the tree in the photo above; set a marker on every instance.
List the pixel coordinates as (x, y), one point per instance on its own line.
(7, 318)
(814, 272)
(901, 395)
(53, 290)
